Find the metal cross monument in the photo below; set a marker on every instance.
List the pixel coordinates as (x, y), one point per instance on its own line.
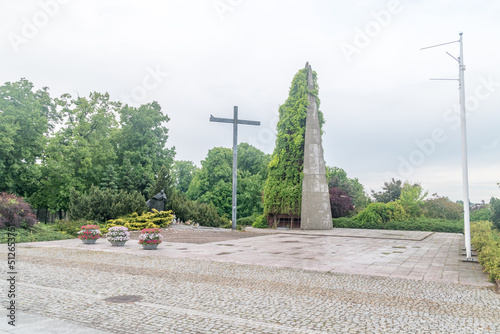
(235, 121)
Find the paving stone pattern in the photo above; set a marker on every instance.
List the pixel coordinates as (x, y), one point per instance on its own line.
(183, 295)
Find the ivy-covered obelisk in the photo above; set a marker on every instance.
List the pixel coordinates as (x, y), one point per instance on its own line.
(297, 169)
(316, 213)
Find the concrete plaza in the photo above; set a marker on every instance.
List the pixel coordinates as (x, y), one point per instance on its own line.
(335, 281)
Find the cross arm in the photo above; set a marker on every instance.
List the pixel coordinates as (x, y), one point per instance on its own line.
(231, 120)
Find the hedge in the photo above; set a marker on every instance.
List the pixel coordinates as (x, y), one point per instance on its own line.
(415, 224)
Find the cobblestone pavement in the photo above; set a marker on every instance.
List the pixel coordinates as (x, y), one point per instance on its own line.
(399, 254)
(183, 295)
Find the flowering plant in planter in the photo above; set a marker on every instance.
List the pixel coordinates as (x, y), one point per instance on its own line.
(150, 236)
(118, 234)
(89, 232)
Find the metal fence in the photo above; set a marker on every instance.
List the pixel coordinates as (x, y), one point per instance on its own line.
(45, 216)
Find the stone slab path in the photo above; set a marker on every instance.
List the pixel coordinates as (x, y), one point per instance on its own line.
(357, 282)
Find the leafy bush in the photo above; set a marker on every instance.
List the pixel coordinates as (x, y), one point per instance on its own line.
(411, 199)
(260, 222)
(487, 243)
(246, 221)
(104, 204)
(70, 227)
(14, 211)
(480, 214)
(340, 203)
(229, 225)
(414, 224)
(490, 259)
(442, 207)
(201, 213)
(480, 234)
(377, 214)
(135, 222)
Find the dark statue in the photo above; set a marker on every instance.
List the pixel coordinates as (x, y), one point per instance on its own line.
(157, 202)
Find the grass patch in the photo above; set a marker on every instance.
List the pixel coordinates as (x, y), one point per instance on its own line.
(39, 232)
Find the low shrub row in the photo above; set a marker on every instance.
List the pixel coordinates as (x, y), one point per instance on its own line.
(39, 232)
(486, 241)
(415, 224)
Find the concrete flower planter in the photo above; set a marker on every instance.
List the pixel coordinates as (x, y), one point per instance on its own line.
(150, 246)
(118, 243)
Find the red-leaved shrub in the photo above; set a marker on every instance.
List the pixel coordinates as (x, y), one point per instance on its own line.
(340, 203)
(14, 211)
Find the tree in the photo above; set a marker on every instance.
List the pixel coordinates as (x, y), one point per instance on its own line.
(109, 179)
(80, 153)
(252, 173)
(495, 212)
(142, 139)
(283, 187)
(391, 191)
(411, 199)
(26, 119)
(183, 173)
(340, 203)
(163, 182)
(202, 213)
(253, 160)
(443, 208)
(337, 177)
(213, 183)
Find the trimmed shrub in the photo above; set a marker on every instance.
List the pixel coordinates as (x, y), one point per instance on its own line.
(490, 259)
(487, 243)
(415, 224)
(481, 232)
(15, 212)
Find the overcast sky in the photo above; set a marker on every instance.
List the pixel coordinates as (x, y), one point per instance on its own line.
(384, 117)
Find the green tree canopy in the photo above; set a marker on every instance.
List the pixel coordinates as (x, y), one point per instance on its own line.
(411, 198)
(213, 183)
(26, 119)
(390, 191)
(337, 178)
(163, 181)
(142, 140)
(444, 208)
(80, 154)
(283, 187)
(183, 173)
